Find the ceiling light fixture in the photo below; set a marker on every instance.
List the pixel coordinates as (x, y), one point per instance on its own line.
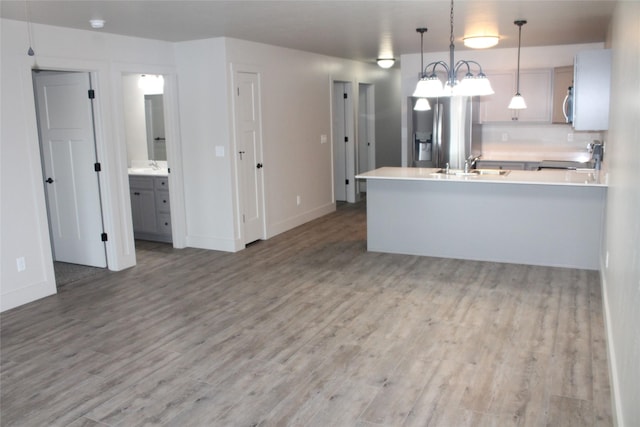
(386, 62)
(422, 104)
(517, 102)
(430, 86)
(481, 42)
(96, 23)
(151, 84)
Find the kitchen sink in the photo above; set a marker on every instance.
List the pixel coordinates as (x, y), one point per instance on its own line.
(472, 172)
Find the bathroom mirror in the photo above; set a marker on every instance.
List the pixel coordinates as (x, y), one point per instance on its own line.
(143, 117)
(154, 120)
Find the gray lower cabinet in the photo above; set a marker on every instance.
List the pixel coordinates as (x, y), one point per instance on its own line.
(150, 207)
(507, 164)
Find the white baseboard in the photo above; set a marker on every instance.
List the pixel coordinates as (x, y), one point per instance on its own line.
(27, 294)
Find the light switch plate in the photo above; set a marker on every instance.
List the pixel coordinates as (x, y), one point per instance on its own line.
(219, 151)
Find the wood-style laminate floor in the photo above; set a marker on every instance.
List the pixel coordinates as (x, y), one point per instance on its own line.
(309, 329)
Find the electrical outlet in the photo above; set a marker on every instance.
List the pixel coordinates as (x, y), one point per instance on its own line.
(505, 136)
(298, 200)
(569, 137)
(323, 139)
(21, 263)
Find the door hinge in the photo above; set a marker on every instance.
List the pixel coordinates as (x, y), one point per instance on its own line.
(346, 139)
(345, 96)
(97, 167)
(92, 94)
(243, 219)
(104, 237)
(346, 181)
(238, 90)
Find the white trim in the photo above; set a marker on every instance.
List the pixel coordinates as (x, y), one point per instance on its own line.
(617, 413)
(26, 294)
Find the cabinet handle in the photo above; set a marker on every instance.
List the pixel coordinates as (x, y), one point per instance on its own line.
(259, 165)
(136, 193)
(164, 201)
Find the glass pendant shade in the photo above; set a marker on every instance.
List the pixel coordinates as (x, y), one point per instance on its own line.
(422, 104)
(428, 87)
(517, 102)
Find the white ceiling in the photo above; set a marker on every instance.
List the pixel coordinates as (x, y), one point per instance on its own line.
(357, 29)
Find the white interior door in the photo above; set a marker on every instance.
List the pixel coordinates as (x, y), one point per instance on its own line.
(343, 143)
(65, 122)
(366, 132)
(249, 152)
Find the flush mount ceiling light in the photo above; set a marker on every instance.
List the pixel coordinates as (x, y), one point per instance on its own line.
(481, 42)
(430, 86)
(386, 62)
(96, 23)
(517, 102)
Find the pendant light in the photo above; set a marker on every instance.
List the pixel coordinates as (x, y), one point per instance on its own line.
(422, 104)
(430, 86)
(30, 51)
(517, 102)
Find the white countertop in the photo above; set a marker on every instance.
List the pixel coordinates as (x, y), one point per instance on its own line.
(587, 177)
(148, 171)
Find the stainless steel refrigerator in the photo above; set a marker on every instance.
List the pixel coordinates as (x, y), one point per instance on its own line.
(448, 133)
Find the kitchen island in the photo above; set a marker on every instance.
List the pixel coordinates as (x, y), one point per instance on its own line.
(547, 217)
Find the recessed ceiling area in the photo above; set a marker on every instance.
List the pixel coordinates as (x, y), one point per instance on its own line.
(361, 30)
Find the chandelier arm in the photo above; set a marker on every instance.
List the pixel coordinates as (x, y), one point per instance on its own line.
(433, 66)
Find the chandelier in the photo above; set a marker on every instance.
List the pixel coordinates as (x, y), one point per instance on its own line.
(430, 86)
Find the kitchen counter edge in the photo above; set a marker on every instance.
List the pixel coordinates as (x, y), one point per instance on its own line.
(577, 178)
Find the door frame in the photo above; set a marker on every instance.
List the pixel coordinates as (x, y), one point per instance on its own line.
(173, 144)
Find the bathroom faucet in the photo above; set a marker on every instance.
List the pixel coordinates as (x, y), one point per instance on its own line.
(154, 164)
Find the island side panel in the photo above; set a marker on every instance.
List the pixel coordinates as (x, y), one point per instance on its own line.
(549, 225)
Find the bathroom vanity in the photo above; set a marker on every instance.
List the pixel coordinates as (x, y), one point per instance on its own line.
(150, 205)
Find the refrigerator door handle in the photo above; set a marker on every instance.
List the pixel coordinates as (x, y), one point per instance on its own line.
(438, 118)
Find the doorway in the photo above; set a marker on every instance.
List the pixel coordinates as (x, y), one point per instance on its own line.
(343, 143)
(64, 113)
(146, 141)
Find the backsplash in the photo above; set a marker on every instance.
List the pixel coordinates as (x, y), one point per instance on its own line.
(498, 139)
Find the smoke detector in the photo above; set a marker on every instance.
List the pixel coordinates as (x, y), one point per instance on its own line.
(96, 23)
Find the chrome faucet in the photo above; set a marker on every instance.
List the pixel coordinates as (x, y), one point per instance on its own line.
(472, 161)
(154, 165)
(597, 150)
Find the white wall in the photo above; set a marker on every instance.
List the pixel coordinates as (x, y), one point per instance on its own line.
(621, 278)
(296, 101)
(24, 226)
(497, 59)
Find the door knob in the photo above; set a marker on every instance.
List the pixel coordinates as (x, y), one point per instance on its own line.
(49, 180)
(259, 165)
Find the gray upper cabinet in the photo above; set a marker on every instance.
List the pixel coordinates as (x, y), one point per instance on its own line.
(592, 87)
